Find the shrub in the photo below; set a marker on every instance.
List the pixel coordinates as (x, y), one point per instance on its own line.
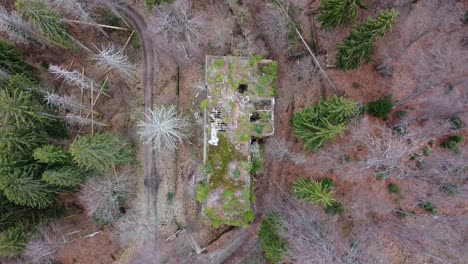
(449, 188)
(100, 151)
(381, 175)
(381, 107)
(151, 3)
(453, 142)
(428, 206)
(393, 188)
(274, 246)
(313, 191)
(324, 121)
(400, 129)
(335, 209)
(456, 122)
(202, 192)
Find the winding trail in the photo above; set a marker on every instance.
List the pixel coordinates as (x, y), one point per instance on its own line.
(152, 179)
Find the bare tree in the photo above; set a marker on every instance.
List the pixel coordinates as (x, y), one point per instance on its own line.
(177, 26)
(111, 58)
(42, 246)
(74, 78)
(163, 128)
(73, 119)
(17, 29)
(102, 197)
(72, 8)
(62, 103)
(280, 147)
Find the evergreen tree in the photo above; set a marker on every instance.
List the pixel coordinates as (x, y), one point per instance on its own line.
(100, 152)
(51, 154)
(10, 59)
(64, 177)
(21, 187)
(324, 121)
(339, 12)
(21, 140)
(12, 241)
(359, 45)
(313, 191)
(18, 108)
(45, 20)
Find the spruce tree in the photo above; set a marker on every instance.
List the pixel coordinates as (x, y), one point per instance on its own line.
(12, 241)
(359, 45)
(10, 60)
(100, 152)
(313, 191)
(65, 176)
(45, 20)
(339, 12)
(51, 154)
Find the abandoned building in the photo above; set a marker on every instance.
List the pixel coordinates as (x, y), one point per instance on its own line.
(241, 94)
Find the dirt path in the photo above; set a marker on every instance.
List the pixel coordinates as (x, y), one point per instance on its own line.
(152, 178)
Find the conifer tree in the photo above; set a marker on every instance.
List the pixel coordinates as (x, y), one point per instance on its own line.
(313, 191)
(339, 12)
(21, 140)
(51, 154)
(65, 176)
(12, 241)
(100, 152)
(359, 45)
(20, 186)
(16, 28)
(10, 59)
(45, 20)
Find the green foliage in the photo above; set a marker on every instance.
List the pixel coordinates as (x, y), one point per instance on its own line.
(64, 176)
(452, 142)
(21, 140)
(151, 3)
(13, 241)
(359, 45)
(219, 158)
(20, 186)
(393, 188)
(380, 108)
(313, 191)
(456, 122)
(51, 154)
(381, 175)
(205, 104)
(324, 121)
(339, 12)
(335, 209)
(255, 60)
(203, 190)
(18, 108)
(428, 206)
(218, 63)
(44, 19)
(274, 246)
(10, 60)
(100, 152)
(449, 188)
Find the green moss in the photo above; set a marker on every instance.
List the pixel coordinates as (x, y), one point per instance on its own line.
(205, 104)
(245, 137)
(202, 193)
(254, 60)
(218, 63)
(236, 174)
(219, 158)
(219, 77)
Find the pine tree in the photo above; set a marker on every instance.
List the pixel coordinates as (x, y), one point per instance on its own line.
(46, 21)
(359, 45)
(13, 241)
(100, 152)
(10, 59)
(313, 191)
(324, 121)
(18, 108)
(65, 176)
(20, 186)
(339, 12)
(21, 140)
(51, 154)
